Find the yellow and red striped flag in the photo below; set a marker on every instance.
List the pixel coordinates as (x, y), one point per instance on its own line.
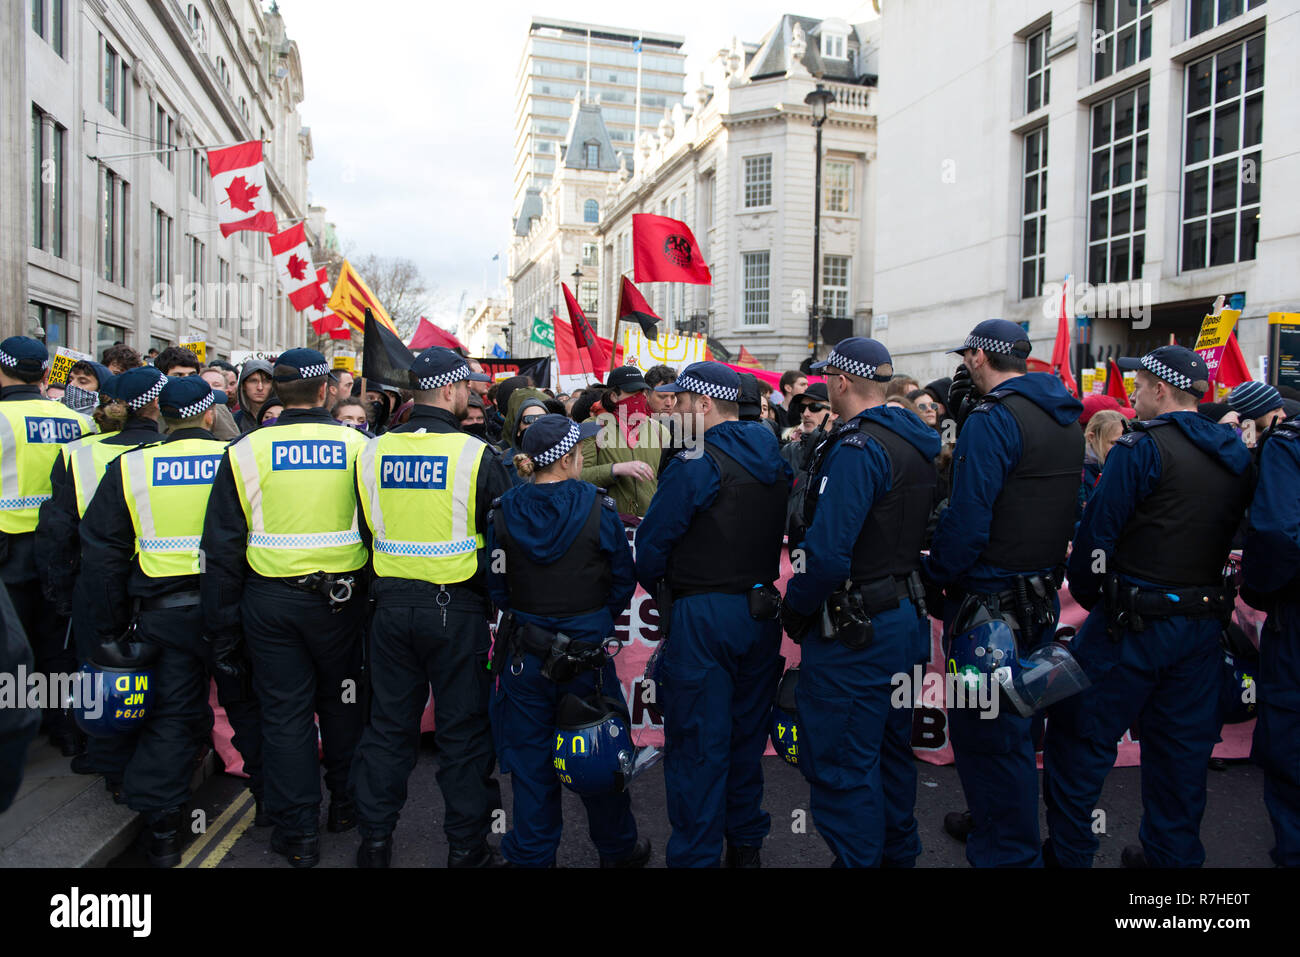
(352, 297)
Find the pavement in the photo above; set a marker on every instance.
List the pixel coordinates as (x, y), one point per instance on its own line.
(1236, 831)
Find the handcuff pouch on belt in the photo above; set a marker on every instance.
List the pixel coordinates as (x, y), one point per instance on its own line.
(1128, 607)
(764, 602)
(337, 588)
(562, 662)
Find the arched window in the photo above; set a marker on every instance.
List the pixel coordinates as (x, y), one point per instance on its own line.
(590, 211)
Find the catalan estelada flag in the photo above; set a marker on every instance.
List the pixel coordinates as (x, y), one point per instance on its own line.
(352, 297)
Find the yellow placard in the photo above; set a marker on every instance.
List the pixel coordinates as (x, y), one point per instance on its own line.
(64, 359)
(197, 346)
(1089, 376)
(1284, 318)
(1216, 329)
(1130, 382)
(1099, 382)
(345, 360)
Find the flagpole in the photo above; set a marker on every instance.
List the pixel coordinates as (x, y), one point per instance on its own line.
(586, 93)
(637, 136)
(613, 344)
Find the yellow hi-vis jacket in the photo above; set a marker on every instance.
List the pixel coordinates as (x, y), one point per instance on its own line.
(166, 487)
(31, 433)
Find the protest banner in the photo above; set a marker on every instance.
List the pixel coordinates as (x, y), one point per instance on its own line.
(64, 359)
(197, 346)
(345, 360)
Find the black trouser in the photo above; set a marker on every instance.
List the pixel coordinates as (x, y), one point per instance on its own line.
(412, 649)
(306, 659)
(47, 633)
(245, 717)
(158, 774)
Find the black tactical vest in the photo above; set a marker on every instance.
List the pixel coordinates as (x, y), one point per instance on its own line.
(894, 534)
(735, 543)
(1033, 517)
(1181, 533)
(576, 583)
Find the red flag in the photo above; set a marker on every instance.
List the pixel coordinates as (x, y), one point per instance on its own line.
(326, 324)
(746, 358)
(1061, 348)
(584, 335)
(1232, 370)
(239, 185)
(428, 334)
(1115, 384)
(292, 257)
(632, 305)
(663, 250)
(342, 332)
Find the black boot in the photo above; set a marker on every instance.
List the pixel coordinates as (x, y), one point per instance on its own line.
(260, 817)
(298, 851)
(742, 855)
(481, 855)
(343, 814)
(959, 824)
(639, 856)
(375, 851)
(164, 848)
(68, 739)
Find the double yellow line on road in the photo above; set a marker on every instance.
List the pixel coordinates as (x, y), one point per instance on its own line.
(241, 812)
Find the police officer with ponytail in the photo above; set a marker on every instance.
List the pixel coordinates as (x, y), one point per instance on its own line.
(285, 566)
(562, 572)
(426, 489)
(140, 536)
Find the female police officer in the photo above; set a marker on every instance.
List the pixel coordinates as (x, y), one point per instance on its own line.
(560, 565)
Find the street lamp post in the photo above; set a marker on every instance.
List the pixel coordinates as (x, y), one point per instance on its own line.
(819, 99)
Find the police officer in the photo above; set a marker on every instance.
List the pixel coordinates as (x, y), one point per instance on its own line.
(869, 500)
(128, 418)
(564, 569)
(285, 563)
(997, 547)
(1148, 563)
(32, 429)
(141, 537)
(426, 489)
(709, 549)
(1271, 582)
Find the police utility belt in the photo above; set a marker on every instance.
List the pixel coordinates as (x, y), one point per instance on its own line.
(337, 587)
(563, 659)
(1031, 601)
(1128, 607)
(846, 616)
(764, 602)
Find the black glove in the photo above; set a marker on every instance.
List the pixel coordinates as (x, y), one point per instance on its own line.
(797, 626)
(225, 655)
(962, 395)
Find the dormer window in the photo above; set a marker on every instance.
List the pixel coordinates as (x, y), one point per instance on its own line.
(835, 46)
(593, 155)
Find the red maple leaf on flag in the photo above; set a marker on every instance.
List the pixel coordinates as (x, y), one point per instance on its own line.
(297, 268)
(241, 195)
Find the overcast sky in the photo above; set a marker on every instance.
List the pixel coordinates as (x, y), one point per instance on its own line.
(411, 109)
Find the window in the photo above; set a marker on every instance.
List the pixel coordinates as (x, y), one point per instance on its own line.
(593, 155)
(591, 211)
(833, 46)
(835, 286)
(197, 30)
(587, 291)
(243, 109)
(223, 294)
(1121, 35)
(47, 22)
(38, 166)
(754, 269)
(106, 336)
(223, 71)
(197, 262)
(590, 254)
(111, 67)
(1038, 75)
(114, 204)
(838, 192)
(758, 181)
(1033, 226)
(164, 137)
(1117, 210)
(162, 251)
(1221, 156)
(1202, 15)
(199, 174)
(53, 322)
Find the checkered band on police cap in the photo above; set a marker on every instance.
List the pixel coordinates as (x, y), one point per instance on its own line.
(559, 449)
(689, 383)
(1162, 371)
(989, 345)
(444, 378)
(148, 395)
(185, 411)
(10, 362)
(313, 371)
(844, 363)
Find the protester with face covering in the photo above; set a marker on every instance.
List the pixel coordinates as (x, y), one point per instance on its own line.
(524, 407)
(475, 420)
(253, 389)
(624, 458)
(499, 410)
(270, 411)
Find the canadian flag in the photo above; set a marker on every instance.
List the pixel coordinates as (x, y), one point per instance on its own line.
(239, 185)
(292, 256)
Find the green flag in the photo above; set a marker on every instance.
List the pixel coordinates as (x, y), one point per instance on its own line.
(543, 333)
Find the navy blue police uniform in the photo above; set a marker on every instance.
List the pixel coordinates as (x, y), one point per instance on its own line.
(562, 566)
(1000, 543)
(1148, 565)
(429, 624)
(1271, 581)
(870, 497)
(711, 537)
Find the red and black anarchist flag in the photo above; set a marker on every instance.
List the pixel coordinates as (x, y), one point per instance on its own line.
(663, 250)
(632, 305)
(584, 336)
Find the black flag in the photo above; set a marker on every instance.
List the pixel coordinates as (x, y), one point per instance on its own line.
(384, 357)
